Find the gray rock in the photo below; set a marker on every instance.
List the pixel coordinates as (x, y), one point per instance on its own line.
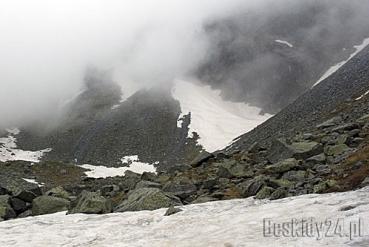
(129, 181)
(58, 192)
(336, 150)
(18, 205)
(147, 184)
(109, 190)
(147, 199)
(201, 158)
(25, 214)
(90, 203)
(306, 149)
(18, 187)
(283, 166)
(181, 187)
(6, 211)
(330, 123)
(264, 193)
(320, 158)
(279, 194)
(280, 150)
(172, 210)
(234, 170)
(251, 187)
(49, 205)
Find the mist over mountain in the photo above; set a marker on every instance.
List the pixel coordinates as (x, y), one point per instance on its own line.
(226, 45)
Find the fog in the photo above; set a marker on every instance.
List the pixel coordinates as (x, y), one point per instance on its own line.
(46, 46)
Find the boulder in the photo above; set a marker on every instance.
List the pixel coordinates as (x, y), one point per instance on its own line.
(172, 210)
(306, 149)
(49, 205)
(232, 169)
(324, 186)
(336, 150)
(320, 158)
(129, 181)
(264, 193)
(6, 211)
(18, 187)
(279, 194)
(280, 150)
(18, 205)
(181, 187)
(110, 190)
(251, 187)
(90, 203)
(58, 192)
(276, 183)
(283, 166)
(330, 123)
(147, 199)
(201, 158)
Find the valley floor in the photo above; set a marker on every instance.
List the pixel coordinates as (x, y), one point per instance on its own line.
(339, 219)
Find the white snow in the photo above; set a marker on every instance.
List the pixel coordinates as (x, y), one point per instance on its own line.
(333, 69)
(216, 121)
(223, 223)
(9, 151)
(33, 181)
(134, 165)
(284, 42)
(362, 96)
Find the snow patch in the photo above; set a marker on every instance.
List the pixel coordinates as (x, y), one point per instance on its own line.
(362, 96)
(284, 42)
(33, 181)
(333, 69)
(133, 163)
(9, 151)
(216, 121)
(221, 223)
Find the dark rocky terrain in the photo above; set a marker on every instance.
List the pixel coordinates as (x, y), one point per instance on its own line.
(92, 132)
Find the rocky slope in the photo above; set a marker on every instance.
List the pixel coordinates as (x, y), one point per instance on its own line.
(329, 156)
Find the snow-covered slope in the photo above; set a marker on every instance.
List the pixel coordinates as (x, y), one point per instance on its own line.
(216, 121)
(224, 224)
(331, 70)
(9, 150)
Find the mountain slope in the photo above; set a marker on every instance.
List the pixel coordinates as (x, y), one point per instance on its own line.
(317, 104)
